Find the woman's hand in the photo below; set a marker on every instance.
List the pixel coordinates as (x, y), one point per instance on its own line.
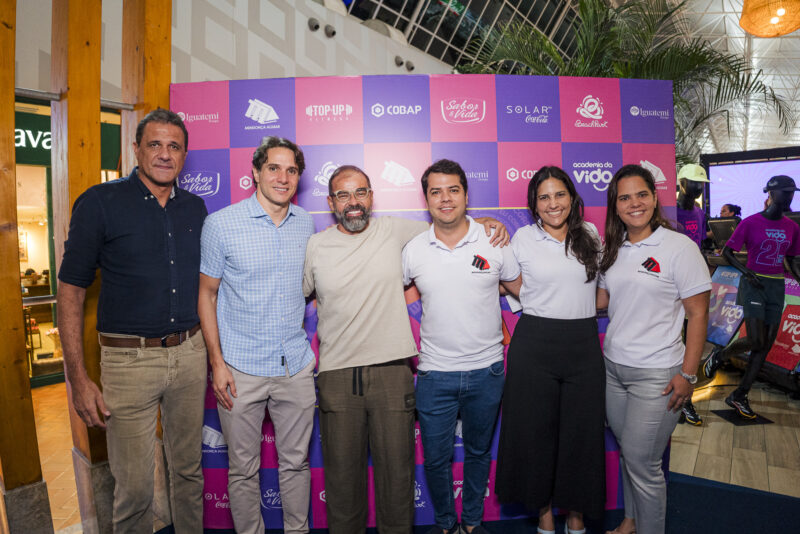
(681, 391)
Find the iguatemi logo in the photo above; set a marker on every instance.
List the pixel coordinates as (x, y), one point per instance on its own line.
(662, 114)
(480, 262)
(378, 110)
(271, 499)
(651, 265)
(396, 174)
(463, 110)
(201, 183)
(591, 108)
(262, 113)
(328, 112)
(513, 174)
(195, 117)
(596, 173)
(531, 114)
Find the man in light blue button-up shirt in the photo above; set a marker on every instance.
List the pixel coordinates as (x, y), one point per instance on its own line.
(251, 309)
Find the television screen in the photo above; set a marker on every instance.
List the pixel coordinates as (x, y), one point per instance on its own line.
(743, 184)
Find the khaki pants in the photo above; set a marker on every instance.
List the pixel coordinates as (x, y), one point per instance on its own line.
(136, 381)
(368, 405)
(290, 400)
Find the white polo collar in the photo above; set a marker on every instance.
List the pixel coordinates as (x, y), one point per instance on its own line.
(540, 234)
(469, 237)
(653, 239)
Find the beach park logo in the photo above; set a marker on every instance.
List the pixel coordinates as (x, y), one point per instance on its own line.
(463, 110)
(261, 113)
(591, 108)
(201, 183)
(323, 177)
(418, 501)
(328, 112)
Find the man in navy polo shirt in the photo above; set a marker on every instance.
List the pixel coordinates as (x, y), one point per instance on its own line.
(143, 232)
(252, 308)
(457, 272)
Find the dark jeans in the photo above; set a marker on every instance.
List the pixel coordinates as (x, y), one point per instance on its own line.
(440, 397)
(360, 406)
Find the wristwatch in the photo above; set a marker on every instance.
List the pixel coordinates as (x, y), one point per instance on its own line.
(692, 379)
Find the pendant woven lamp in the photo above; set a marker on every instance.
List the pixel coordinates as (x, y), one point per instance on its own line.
(770, 18)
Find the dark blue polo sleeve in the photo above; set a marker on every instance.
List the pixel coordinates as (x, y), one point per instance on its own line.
(84, 241)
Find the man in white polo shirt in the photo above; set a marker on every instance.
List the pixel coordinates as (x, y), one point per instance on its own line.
(457, 273)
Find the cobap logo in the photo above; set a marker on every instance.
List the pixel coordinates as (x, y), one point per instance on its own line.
(418, 502)
(593, 172)
(591, 108)
(322, 496)
(195, 117)
(379, 110)
(262, 113)
(462, 110)
(219, 502)
(533, 115)
(512, 174)
(246, 182)
(396, 174)
(271, 499)
(328, 112)
(201, 183)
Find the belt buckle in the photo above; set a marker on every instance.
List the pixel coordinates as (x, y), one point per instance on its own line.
(164, 340)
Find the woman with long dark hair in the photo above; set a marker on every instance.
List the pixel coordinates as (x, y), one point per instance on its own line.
(551, 449)
(652, 276)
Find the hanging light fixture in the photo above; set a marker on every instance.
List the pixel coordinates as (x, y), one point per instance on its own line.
(770, 18)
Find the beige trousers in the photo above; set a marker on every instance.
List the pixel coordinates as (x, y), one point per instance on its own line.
(290, 400)
(136, 382)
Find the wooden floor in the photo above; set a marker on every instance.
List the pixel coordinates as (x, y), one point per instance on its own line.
(764, 457)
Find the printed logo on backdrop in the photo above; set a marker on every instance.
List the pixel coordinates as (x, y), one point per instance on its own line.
(463, 110)
(590, 109)
(655, 170)
(329, 112)
(206, 174)
(527, 108)
(591, 166)
(419, 502)
(262, 114)
(397, 175)
(479, 161)
(513, 174)
(647, 111)
(219, 500)
(271, 499)
(323, 177)
(321, 161)
(395, 170)
(189, 118)
(397, 108)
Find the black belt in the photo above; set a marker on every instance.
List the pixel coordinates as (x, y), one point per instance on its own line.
(170, 340)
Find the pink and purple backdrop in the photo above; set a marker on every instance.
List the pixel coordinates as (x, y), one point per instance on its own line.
(500, 128)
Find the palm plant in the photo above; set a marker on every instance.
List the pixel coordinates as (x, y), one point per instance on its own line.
(641, 39)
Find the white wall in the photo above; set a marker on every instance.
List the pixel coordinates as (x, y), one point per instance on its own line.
(228, 39)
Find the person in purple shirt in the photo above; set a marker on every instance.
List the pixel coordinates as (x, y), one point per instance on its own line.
(769, 237)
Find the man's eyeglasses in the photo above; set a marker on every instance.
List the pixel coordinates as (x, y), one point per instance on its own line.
(359, 194)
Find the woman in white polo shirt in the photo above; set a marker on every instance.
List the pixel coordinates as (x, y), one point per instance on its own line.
(551, 450)
(651, 277)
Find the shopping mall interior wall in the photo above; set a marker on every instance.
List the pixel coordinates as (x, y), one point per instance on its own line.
(218, 40)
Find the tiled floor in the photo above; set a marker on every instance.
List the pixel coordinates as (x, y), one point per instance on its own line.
(765, 457)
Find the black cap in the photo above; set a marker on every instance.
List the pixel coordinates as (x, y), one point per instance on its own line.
(781, 183)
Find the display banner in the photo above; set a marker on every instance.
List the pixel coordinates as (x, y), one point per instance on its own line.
(501, 129)
(724, 315)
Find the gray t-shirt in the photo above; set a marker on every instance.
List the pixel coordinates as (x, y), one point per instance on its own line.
(361, 308)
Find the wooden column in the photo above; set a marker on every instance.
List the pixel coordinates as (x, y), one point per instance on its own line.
(75, 75)
(24, 494)
(146, 65)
